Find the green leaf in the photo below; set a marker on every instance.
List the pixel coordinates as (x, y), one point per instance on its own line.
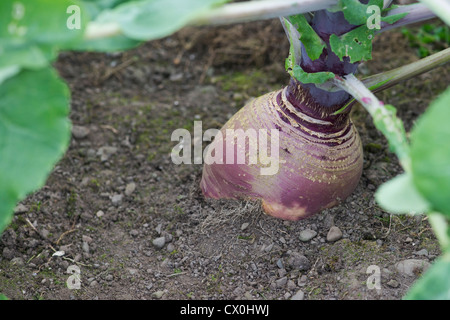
(152, 19)
(399, 196)
(355, 44)
(430, 154)
(109, 44)
(435, 283)
(355, 12)
(8, 72)
(31, 32)
(305, 77)
(313, 44)
(294, 48)
(440, 225)
(394, 18)
(34, 134)
(26, 55)
(3, 297)
(95, 7)
(117, 42)
(40, 21)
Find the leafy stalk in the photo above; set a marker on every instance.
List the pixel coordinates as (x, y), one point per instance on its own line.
(384, 116)
(386, 3)
(387, 79)
(416, 12)
(106, 26)
(96, 30)
(440, 7)
(263, 9)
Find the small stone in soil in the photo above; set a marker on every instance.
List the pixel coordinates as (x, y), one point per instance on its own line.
(20, 209)
(106, 152)
(393, 283)
(159, 242)
(298, 296)
(334, 234)
(116, 199)
(281, 282)
(129, 189)
(158, 294)
(244, 226)
(412, 267)
(280, 264)
(134, 233)
(80, 132)
(306, 235)
(298, 262)
(170, 247)
(423, 252)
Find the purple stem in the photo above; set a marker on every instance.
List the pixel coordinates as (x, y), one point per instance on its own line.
(317, 104)
(310, 99)
(416, 13)
(326, 23)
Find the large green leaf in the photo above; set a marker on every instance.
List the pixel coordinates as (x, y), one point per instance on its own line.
(153, 19)
(400, 196)
(356, 12)
(357, 43)
(26, 55)
(8, 72)
(95, 7)
(39, 21)
(32, 31)
(114, 43)
(435, 283)
(430, 154)
(34, 134)
(117, 42)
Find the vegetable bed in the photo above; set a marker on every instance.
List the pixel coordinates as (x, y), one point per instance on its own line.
(214, 249)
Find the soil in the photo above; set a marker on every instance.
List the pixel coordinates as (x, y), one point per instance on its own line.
(116, 189)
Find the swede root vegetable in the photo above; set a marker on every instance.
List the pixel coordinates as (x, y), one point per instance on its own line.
(320, 155)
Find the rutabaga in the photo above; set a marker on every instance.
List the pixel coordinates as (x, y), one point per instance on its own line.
(320, 152)
(320, 156)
